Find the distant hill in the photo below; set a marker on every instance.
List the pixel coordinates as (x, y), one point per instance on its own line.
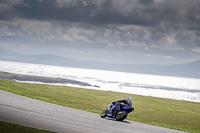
(190, 70)
(10, 55)
(47, 59)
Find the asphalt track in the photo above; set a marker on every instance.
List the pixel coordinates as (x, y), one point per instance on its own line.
(42, 115)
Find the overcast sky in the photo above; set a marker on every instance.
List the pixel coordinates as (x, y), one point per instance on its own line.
(122, 31)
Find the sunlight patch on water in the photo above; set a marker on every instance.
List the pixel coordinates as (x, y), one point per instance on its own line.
(148, 85)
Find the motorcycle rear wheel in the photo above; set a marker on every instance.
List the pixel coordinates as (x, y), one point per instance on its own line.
(104, 113)
(121, 115)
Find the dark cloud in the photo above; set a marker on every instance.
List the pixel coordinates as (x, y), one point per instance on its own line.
(146, 2)
(102, 12)
(141, 25)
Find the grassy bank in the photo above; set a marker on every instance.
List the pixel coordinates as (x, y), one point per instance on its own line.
(181, 115)
(20, 77)
(6, 127)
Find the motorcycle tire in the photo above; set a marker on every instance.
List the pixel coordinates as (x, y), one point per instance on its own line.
(121, 115)
(104, 113)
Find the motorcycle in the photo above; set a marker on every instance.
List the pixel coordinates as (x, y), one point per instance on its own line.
(118, 111)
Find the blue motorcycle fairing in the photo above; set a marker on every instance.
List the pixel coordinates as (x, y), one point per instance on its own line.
(111, 107)
(128, 109)
(110, 115)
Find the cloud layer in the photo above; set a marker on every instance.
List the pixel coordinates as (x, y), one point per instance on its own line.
(152, 27)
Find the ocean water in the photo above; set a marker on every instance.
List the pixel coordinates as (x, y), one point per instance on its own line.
(148, 85)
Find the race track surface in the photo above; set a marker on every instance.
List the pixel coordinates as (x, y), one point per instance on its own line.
(34, 113)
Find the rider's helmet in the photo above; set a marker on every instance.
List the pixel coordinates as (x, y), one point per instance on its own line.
(128, 98)
(129, 101)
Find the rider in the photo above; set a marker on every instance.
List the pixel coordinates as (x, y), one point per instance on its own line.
(126, 102)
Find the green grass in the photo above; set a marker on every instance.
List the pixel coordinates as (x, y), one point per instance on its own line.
(6, 127)
(175, 114)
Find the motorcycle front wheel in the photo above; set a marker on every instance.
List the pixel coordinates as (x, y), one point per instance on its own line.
(121, 115)
(104, 113)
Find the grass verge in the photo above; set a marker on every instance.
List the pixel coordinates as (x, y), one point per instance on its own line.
(175, 114)
(6, 127)
(20, 77)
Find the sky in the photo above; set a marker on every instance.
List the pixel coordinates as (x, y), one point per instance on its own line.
(116, 31)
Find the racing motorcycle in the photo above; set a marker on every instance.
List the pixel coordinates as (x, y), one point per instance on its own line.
(118, 111)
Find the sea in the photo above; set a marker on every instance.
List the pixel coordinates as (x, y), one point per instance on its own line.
(178, 88)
